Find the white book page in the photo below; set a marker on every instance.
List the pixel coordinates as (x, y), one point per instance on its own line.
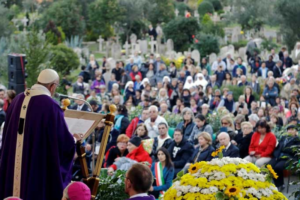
(79, 126)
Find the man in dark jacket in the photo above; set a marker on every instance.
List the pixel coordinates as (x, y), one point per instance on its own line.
(124, 78)
(162, 140)
(230, 150)
(287, 62)
(80, 105)
(220, 74)
(278, 70)
(180, 151)
(282, 153)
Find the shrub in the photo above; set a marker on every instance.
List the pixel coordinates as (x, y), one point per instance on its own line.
(63, 59)
(56, 37)
(216, 4)
(209, 27)
(183, 38)
(240, 44)
(205, 7)
(268, 45)
(182, 7)
(207, 44)
(238, 91)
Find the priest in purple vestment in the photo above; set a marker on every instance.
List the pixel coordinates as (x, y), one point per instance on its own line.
(138, 181)
(37, 149)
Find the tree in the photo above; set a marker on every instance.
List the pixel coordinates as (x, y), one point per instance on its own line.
(181, 30)
(182, 7)
(36, 49)
(102, 15)
(206, 44)
(164, 11)
(251, 14)
(209, 27)
(66, 14)
(63, 59)
(290, 21)
(6, 27)
(205, 7)
(216, 4)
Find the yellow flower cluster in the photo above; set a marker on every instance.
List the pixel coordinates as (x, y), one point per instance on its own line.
(235, 180)
(219, 150)
(269, 167)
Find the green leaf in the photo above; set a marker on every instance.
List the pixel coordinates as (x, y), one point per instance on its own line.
(220, 196)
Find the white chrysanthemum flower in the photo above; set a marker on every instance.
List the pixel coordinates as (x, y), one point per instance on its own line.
(205, 191)
(195, 189)
(179, 193)
(177, 183)
(219, 175)
(213, 189)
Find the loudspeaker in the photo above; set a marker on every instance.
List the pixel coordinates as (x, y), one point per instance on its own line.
(16, 72)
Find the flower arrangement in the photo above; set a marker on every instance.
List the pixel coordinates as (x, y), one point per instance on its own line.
(225, 179)
(178, 61)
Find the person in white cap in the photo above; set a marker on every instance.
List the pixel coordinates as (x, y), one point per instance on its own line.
(38, 149)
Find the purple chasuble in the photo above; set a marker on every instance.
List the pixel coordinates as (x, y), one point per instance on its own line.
(48, 150)
(150, 197)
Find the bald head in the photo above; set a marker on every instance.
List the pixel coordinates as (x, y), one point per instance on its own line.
(224, 139)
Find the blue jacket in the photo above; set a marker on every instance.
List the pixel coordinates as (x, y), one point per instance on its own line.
(270, 95)
(204, 155)
(168, 174)
(187, 131)
(283, 149)
(232, 152)
(236, 67)
(220, 76)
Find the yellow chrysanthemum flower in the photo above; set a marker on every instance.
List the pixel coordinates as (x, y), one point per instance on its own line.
(232, 191)
(269, 167)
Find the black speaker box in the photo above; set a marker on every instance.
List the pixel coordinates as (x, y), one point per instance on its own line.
(15, 61)
(16, 87)
(16, 76)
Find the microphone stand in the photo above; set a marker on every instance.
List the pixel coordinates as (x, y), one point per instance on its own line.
(93, 134)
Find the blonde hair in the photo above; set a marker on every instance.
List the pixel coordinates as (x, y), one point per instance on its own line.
(246, 124)
(206, 136)
(228, 118)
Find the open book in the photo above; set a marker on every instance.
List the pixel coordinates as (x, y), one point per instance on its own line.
(82, 123)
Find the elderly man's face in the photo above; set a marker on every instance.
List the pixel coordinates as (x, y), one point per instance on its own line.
(163, 108)
(153, 113)
(224, 140)
(270, 83)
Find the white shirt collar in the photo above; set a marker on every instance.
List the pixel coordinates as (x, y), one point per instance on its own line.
(41, 87)
(228, 146)
(139, 195)
(79, 107)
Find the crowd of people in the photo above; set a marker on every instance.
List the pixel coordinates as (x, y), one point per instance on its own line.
(250, 127)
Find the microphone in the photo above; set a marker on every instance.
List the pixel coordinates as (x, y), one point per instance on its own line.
(58, 95)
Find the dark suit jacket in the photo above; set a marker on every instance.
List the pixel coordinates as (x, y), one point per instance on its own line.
(204, 155)
(84, 108)
(232, 152)
(251, 99)
(288, 62)
(276, 72)
(284, 150)
(243, 143)
(2, 117)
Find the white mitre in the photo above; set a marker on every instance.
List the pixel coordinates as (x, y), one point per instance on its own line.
(48, 76)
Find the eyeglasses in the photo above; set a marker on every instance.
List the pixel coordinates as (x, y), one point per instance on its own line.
(224, 123)
(246, 128)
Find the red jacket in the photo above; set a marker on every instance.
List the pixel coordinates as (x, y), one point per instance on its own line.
(132, 75)
(132, 126)
(264, 149)
(139, 154)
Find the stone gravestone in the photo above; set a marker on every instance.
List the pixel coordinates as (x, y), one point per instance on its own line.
(126, 46)
(172, 55)
(212, 58)
(242, 53)
(196, 56)
(235, 37)
(137, 46)
(231, 50)
(100, 40)
(223, 52)
(170, 45)
(116, 50)
(111, 63)
(133, 39)
(152, 43)
(143, 46)
(107, 48)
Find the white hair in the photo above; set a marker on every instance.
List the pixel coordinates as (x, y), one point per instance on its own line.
(225, 134)
(253, 117)
(153, 107)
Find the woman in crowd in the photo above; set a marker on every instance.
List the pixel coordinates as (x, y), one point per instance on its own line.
(201, 125)
(117, 151)
(163, 172)
(242, 140)
(283, 152)
(150, 74)
(187, 124)
(129, 90)
(11, 94)
(239, 119)
(135, 71)
(205, 66)
(98, 82)
(121, 119)
(141, 131)
(262, 144)
(194, 106)
(249, 97)
(227, 126)
(228, 79)
(92, 66)
(163, 96)
(293, 109)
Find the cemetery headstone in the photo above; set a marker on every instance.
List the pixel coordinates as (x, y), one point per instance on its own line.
(143, 46)
(126, 46)
(100, 40)
(212, 58)
(152, 43)
(196, 56)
